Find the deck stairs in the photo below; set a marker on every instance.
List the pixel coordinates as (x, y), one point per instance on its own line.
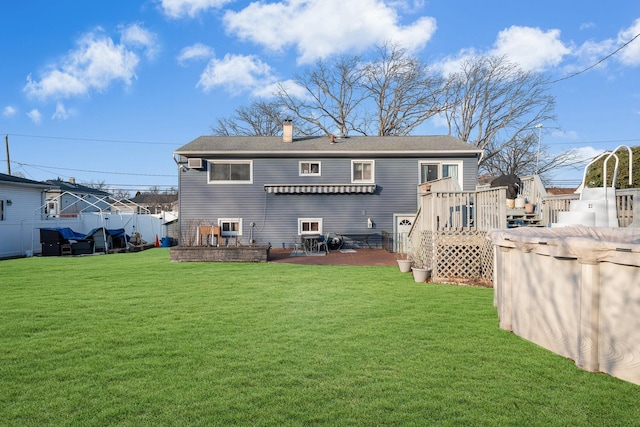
(518, 218)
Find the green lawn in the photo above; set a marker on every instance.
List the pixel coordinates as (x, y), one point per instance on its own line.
(133, 339)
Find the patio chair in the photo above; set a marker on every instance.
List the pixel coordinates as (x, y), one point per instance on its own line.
(298, 245)
(323, 241)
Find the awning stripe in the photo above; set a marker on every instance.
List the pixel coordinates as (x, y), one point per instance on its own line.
(321, 189)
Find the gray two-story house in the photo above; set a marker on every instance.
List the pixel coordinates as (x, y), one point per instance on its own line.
(271, 190)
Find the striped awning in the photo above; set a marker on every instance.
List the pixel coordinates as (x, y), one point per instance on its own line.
(321, 189)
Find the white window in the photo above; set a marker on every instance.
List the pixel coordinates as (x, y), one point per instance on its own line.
(230, 226)
(432, 170)
(362, 171)
(309, 226)
(309, 169)
(230, 171)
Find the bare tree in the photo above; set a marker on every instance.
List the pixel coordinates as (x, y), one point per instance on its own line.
(261, 118)
(403, 89)
(332, 96)
(521, 158)
(493, 103)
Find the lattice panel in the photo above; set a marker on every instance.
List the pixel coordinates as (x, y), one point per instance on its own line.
(462, 257)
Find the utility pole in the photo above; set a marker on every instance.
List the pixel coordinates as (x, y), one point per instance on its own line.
(6, 144)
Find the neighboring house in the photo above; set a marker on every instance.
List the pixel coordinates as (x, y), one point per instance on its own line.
(68, 199)
(21, 201)
(153, 203)
(271, 190)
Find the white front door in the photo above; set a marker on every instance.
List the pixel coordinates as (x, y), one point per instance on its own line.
(402, 225)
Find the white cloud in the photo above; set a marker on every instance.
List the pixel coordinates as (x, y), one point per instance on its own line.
(61, 112)
(35, 116)
(320, 28)
(93, 65)
(630, 55)
(532, 48)
(195, 52)
(136, 36)
(189, 8)
(8, 111)
(236, 73)
(292, 88)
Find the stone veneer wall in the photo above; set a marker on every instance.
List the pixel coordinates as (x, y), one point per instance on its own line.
(222, 254)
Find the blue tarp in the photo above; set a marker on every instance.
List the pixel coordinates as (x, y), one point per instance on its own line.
(67, 233)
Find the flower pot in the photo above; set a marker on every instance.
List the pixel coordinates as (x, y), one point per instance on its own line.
(511, 203)
(519, 202)
(528, 208)
(420, 274)
(404, 265)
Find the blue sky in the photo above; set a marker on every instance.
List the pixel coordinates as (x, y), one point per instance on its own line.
(104, 91)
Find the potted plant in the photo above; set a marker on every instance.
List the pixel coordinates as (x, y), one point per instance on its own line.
(404, 263)
(419, 270)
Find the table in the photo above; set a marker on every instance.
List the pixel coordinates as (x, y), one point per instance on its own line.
(310, 242)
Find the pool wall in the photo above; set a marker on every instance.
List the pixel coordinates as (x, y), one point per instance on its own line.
(574, 291)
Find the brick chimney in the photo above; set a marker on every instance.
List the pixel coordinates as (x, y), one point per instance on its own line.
(287, 131)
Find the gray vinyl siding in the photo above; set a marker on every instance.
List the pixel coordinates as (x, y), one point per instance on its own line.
(276, 215)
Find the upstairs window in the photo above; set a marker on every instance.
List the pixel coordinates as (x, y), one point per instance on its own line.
(309, 169)
(362, 171)
(231, 172)
(431, 171)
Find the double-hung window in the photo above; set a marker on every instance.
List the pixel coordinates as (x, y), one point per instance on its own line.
(309, 168)
(362, 171)
(230, 171)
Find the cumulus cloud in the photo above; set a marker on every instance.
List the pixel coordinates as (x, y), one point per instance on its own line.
(136, 36)
(630, 55)
(96, 62)
(269, 90)
(189, 8)
(195, 52)
(8, 111)
(320, 28)
(236, 74)
(532, 48)
(35, 116)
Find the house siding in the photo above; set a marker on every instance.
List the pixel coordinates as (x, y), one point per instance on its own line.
(276, 215)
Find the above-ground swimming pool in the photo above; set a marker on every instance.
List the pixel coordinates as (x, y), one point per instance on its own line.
(574, 291)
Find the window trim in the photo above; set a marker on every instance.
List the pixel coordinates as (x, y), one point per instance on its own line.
(441, 163)
(310, 162)
(226, 182)
(230, 233)
(309, 220)
(373, 171)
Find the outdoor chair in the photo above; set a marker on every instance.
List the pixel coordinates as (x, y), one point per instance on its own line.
(298, 245)
(323, 241)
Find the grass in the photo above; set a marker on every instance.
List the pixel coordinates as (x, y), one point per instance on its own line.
(133, 339)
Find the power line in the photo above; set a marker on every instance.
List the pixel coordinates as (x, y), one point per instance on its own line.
(597, 63)
(92, 139)
(93, 171)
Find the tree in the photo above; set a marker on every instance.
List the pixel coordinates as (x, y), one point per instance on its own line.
(332, 96)
(403, 90)
(261, 118)
(595, 172)
(493, 104)
(521, 158)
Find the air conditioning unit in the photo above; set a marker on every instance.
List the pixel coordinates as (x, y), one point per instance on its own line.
(195, 163)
